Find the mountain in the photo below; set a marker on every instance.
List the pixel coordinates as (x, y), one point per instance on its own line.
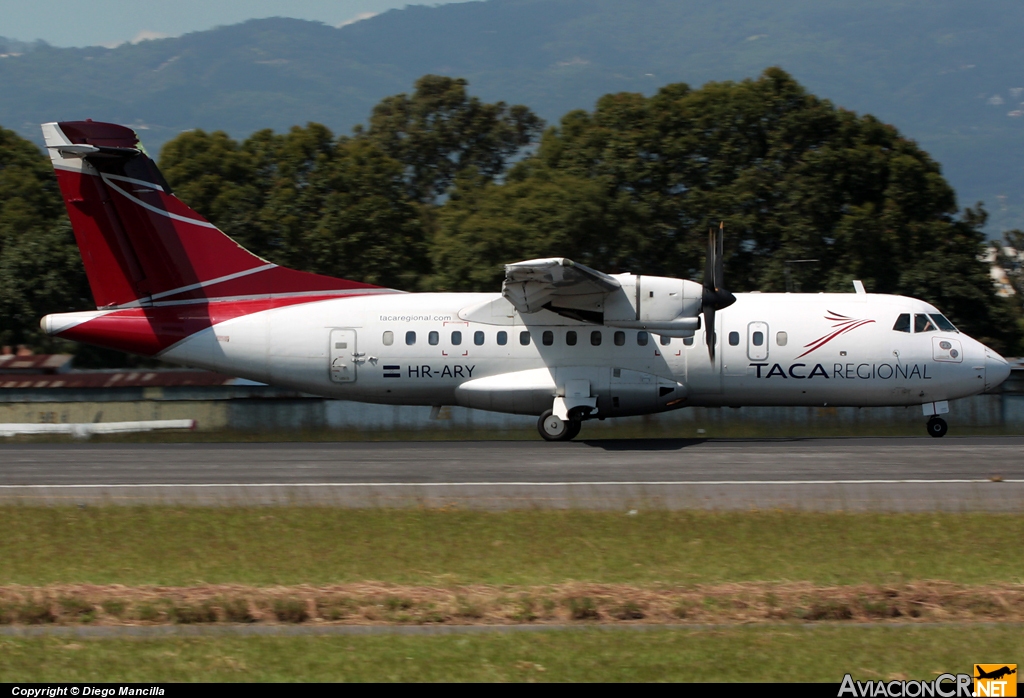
(948, 74)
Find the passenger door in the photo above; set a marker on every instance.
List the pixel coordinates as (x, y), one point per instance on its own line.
(344, 356)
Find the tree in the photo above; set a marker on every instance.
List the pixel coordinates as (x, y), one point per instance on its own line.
(220, 179)
(40, 268)
(29, 200)
(40, 273)
(793, 177)
(537, 213)
(306, 200)
(365, 226)
(440, 131)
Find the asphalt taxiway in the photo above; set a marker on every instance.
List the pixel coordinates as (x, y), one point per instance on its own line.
(884, 474)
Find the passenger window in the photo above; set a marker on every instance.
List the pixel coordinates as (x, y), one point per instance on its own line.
(902, 323)
(688, 341)
(456, 338)
(665, 340)
(524, 338)
(595, 338)
(410, 338)
(502, 338)
(548, 338)
(433, 338)
(758, 339)
(478, 338)
(620, 338)
(389, 338)
(570, 338)
(781, 338)
(641, 339)
(922, 323)
(943, 324)
(734, 339)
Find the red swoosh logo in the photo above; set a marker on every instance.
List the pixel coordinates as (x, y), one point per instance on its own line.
(843, 324)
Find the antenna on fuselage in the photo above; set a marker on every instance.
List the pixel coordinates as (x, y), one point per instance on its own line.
(714, 296)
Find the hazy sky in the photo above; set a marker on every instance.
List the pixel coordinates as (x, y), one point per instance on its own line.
(110, 22)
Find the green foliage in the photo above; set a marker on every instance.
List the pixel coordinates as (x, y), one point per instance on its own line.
(114, 607)
(216, 176)
(539, 212)
(583, 608)
(793, 177)
(423, 199)
(290, 611)
(40, 268)
(306, 200)
(441, 131)
(40, 272)
(29, 201)
(186, 613)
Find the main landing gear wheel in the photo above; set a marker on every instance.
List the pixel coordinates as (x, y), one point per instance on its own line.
(574, 429)
(552, 428)
(937, 427)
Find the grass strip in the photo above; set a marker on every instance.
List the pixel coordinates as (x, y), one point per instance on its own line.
(800, 653)
(381, 604)
(182, 546)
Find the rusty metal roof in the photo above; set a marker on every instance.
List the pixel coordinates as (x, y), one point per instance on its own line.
(35, 363)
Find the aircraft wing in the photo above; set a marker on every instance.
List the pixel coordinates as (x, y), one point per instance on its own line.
(534, 284)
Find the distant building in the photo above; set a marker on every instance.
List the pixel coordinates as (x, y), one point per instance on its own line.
(1003, 286)
(24, 362)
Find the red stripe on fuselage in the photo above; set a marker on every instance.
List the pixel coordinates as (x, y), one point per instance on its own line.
(149, 331)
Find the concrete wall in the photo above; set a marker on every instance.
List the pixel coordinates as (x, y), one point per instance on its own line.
(208, 414)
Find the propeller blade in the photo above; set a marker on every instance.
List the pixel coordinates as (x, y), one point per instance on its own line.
(714, 296)
(720, 256)
(709, 262)
(709, 331)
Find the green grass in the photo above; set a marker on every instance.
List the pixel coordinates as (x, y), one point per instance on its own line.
(296, 545)
(780, 653)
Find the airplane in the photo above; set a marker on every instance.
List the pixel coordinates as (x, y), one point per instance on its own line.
(560, 341)
(995, 673)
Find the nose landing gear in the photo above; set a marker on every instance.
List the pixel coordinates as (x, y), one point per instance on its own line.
(937, 427)
(552, 428)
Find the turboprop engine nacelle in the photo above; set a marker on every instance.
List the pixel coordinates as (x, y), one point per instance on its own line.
(660, 304)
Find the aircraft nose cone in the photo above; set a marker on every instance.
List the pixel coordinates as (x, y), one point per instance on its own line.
(997, 369)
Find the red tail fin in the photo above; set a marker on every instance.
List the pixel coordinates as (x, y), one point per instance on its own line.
(140, 244)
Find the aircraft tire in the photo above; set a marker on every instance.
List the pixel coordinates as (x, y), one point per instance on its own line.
(937, 427)
(574, 429)
(552, 428)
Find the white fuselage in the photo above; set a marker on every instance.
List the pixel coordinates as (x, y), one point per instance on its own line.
(772, 349)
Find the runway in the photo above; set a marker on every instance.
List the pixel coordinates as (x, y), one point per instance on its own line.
(858, 474)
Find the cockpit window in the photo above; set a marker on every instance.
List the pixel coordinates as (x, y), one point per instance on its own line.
(942, 323)
(902, 323)
(922, 323)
